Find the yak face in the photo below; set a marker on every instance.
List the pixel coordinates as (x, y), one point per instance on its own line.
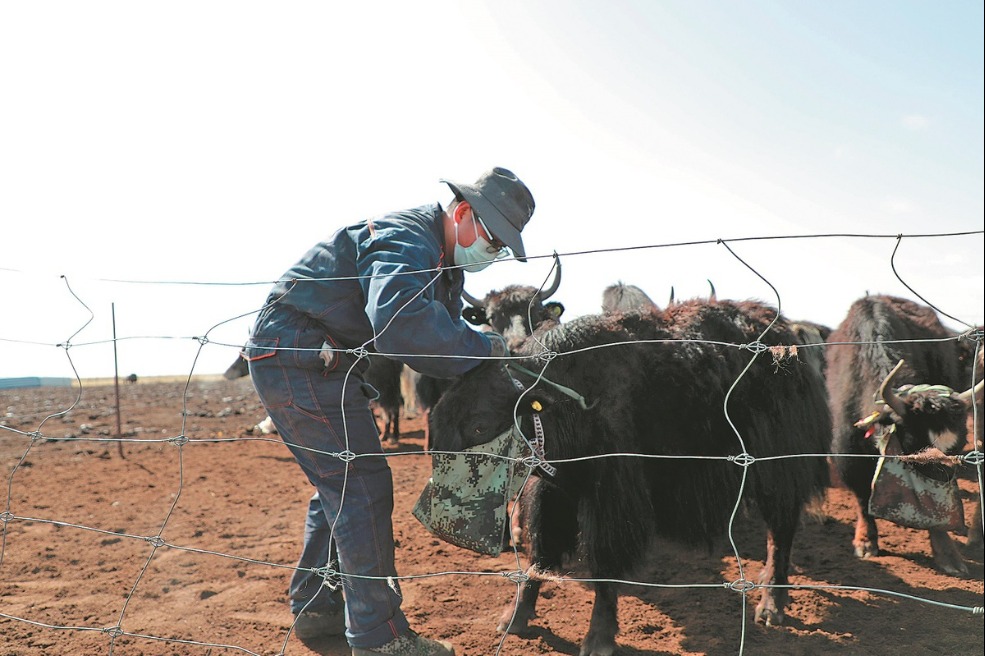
(479, 406)
(515, 312)
(930, 418)
(476, 408)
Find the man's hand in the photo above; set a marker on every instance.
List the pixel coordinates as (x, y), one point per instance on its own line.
(499, 348)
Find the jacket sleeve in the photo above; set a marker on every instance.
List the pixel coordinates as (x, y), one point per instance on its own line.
(398, 269)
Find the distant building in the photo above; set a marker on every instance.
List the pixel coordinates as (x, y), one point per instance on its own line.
(35, 381)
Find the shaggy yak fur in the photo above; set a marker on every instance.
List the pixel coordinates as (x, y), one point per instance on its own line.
(880, 325)
(654, 398)
(621, 297)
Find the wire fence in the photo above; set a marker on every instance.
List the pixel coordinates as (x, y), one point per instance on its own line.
(41, 446)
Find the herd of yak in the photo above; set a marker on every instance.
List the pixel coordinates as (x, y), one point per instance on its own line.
(724, 402)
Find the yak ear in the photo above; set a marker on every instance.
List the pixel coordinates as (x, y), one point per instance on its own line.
(475, 315)
(554, 309)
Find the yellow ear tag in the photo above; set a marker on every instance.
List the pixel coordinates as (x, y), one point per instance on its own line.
(864, 423)
(536, 406)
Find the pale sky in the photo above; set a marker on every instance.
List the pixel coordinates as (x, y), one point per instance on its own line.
(215, 142)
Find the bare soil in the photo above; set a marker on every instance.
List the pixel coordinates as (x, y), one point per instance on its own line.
(183, 540)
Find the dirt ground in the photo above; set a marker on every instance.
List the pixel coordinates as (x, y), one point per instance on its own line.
(177, 547)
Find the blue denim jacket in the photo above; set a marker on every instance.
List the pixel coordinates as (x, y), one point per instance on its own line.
(363, 286)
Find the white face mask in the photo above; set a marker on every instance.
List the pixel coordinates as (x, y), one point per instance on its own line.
(477, 256)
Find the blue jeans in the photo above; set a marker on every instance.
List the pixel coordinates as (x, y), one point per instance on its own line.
(318, 413)
(307, 591)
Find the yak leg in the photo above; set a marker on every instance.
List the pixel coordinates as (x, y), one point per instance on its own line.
(856, 474)
(552, 531)
(395, 421)
(601, 638)
(779, 542)
(391, 428)
(975, 544)
(945, 552)
(516, 616)
(866, 540)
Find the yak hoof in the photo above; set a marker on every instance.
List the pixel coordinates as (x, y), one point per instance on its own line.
(953, 567)
(866, 550)
(946, 556)
(768, 614)
(597, 646)
(515, 623)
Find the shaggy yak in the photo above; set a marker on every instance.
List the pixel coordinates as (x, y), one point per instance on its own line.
(657, 398)
(877, 333)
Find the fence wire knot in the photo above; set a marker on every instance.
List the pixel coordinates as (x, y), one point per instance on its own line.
(974, 458)
(743, 459)
(742, 585)
(180, 440)
(35, 436)
(756, 347)
(203, 340)
(517, 576)
(975, 335)
(359, 352)
(113, 631)
(347, 456)
(332, 577)
(156, 541)
(6, 516)
(547, 356)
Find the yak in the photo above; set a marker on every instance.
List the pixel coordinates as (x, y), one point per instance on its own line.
(878, 332)
(671, 383)
(621, 297)
(516, 310)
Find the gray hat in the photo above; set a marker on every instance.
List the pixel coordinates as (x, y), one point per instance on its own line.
(503, 203)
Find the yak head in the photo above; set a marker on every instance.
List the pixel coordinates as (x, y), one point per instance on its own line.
(480, 405)
(515, 311)
(926, 415)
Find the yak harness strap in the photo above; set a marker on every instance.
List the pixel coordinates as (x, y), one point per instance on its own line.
(538, 444)
(567, 391)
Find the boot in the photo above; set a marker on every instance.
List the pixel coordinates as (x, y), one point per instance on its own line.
(409, 644)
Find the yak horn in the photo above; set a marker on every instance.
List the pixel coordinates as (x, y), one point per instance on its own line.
(968, 394)
(714, 297)
(546, 294)
(887, 394)
(472, 300)
(671, 301)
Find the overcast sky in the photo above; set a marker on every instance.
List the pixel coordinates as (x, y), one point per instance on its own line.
(214, 142)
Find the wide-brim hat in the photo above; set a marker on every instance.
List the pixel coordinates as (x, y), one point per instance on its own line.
(502, 202)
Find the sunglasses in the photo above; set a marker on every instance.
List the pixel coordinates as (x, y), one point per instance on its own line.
(495, 245)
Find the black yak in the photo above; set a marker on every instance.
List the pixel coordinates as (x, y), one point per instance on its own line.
(514, 312)
(657, 398)
(862, 352)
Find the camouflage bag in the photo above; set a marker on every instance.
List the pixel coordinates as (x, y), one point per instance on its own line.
(915, 495)
(465, 500)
